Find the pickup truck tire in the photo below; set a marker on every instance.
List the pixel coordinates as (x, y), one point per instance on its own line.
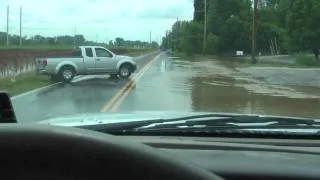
(67, 73)
(113, 76)
(125, 71)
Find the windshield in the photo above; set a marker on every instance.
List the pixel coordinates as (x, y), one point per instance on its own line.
(71, 58)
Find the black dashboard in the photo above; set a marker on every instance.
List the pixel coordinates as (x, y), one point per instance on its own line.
(43, 151)
(238, 158)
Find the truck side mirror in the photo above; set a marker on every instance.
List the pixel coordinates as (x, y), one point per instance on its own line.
(7, 114)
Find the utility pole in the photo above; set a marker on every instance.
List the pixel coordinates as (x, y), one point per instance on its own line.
(20, 25)
(204, 27)
(8, 25)
(150, 37)
(74, 36)
(167, 40)
(254, 32)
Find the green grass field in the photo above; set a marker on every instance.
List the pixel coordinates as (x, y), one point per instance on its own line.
(118, 50)
(139, 52)
(37, 47)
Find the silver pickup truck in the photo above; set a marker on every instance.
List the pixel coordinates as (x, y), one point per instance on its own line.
(86, 60)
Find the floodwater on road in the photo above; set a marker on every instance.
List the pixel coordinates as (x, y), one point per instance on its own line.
(211, 85)
(203, 84)
(218, 86)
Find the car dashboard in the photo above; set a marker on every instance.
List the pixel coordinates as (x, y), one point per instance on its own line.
(238, 158)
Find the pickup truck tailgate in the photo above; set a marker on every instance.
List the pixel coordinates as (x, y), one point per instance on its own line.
(40, 63)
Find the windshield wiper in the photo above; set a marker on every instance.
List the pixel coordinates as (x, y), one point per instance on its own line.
(233, 123)
(209, 122)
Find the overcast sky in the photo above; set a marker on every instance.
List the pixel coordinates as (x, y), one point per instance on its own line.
(96, 19)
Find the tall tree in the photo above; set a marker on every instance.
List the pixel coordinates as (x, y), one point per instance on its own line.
(234, 35)
(198, 14)
(221, 16)
(304, 26)
(79, 39)
(119, 41)
(283, 25)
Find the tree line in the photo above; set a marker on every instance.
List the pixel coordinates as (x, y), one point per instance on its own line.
(76, 40)
(283, 26)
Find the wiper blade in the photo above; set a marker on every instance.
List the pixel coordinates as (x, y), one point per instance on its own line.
(232, 121)
(208, 121)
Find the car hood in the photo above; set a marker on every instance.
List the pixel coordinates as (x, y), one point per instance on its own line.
(110, 118)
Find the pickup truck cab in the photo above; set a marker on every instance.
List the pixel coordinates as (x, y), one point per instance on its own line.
(86, 60)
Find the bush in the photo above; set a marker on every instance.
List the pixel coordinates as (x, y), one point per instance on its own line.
(212, 44)
(306, 61)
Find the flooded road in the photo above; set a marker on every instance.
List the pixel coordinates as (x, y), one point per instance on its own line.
(163, 83)
(206, 84)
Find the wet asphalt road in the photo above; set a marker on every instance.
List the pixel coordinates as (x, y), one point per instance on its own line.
(86, 95)
(173, 84)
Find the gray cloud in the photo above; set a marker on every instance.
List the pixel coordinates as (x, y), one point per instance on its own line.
(131, 19)
(166, 13)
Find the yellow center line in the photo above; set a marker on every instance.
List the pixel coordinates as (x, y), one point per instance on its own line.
(130, 88)
(113, 100)
(119, 97)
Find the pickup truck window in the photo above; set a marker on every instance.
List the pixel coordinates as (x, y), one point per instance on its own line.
(76, 52)
(102, 53)
(89, 52)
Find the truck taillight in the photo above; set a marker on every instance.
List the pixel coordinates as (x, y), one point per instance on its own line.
(44, 62)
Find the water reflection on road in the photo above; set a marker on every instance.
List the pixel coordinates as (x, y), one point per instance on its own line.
(225, 98)
(217, 86)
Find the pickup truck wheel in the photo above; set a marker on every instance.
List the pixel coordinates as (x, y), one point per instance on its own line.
(67, 73)
(125, 71)
(113, 76)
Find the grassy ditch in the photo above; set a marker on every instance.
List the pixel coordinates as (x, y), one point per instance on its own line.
(23, 83)
(307, 61)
